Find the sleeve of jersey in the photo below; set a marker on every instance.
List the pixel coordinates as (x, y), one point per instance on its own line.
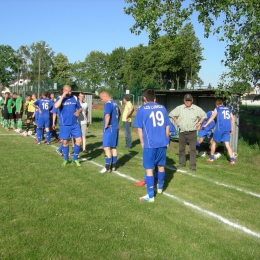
(108, 108)
(36, 103)
(54, 110)
(78, 106)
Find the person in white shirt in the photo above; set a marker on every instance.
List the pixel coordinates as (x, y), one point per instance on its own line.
(83, 120)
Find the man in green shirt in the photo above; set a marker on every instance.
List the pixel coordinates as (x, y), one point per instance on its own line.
(189, 118)
(18, 109)
(8, 111)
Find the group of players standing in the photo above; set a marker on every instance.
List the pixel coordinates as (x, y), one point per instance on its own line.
(153, 126)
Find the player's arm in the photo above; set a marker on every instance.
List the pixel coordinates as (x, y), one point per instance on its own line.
(232, 123)
(87, 116)
(59, 102)
(53, 121)
(107, 119)
(130, 110)
(167, 131)
(211, 118)
(140, 135)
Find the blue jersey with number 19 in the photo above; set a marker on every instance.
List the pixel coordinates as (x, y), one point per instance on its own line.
(45, 105)
(153, 118)
(223, 118)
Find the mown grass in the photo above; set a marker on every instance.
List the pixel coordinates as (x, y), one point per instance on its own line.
(54, 212)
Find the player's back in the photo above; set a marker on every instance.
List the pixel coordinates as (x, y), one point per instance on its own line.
(45, 105)
(154, 118)
(223, 118)
(112, 109)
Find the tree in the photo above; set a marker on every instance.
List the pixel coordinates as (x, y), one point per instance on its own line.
(61, 68)
(236, 16)
(7, 64)
(41, 56)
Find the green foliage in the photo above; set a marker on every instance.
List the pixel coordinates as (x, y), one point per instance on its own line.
(61, 67)
(7, 64)
(239, 28)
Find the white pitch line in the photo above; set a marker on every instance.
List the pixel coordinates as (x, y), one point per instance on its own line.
(212, 214)
(8, 134)
(205, 179)
(216, 216)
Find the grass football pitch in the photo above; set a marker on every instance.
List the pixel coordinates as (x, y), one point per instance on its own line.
(48, 211)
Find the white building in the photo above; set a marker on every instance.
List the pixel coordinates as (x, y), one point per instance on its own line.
(248, 97)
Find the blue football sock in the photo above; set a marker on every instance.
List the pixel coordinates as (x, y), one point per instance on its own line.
(48, 136)
(39, 135)
(211, 157)
(66, 153)
(76, 152)
(150, 185)
(114, 159)
(61, 146)
(107, 161)
(161, 176)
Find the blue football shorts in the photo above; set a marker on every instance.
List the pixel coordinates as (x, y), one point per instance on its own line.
(221, 136)
(43, 122)
(67, 130)
(153, 157)
(110, 137)
(205, 133)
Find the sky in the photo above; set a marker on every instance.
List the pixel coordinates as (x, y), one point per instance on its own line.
(77, 27)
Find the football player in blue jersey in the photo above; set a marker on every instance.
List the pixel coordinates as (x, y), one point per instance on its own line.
(69, 110)
(43, 105)
(110, 132)
(207, 131)
(153, 125)
(224, 128)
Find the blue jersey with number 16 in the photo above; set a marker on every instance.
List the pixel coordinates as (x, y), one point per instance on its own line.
(45, 105)
(153, 118)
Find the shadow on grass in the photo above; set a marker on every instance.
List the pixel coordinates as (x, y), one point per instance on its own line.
(169, 174)
(135, 143)
(94, 151)
(125, 158)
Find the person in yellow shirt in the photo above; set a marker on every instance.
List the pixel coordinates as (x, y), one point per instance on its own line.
(126, 118)
(30, 110)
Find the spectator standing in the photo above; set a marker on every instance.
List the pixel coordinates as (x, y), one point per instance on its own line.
(83, 120)
(189, 118)
(126, 118)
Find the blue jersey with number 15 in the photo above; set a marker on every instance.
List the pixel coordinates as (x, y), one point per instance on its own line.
(45, 105)
(223, 118)
(153, 118)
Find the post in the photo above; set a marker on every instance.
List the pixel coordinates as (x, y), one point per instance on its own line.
(39, 78)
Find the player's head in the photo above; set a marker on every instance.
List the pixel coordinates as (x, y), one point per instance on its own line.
(104, 96)
(34, 97)
(219, 102)
(28, 97)
(7, 94)
(188, 100)
(15, 95)
(81, 96)
(126, 99)
(149, 95)
(45, 94)
(67, 90)
(52, 97)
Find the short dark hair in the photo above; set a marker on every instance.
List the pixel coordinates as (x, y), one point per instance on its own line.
(28, 95)
(15, 93)
(149, 94)
(126, 98)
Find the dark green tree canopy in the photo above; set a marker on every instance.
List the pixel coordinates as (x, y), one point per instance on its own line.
(240, 27)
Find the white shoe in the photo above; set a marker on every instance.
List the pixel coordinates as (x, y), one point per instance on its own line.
(146, 198)
(104, 170)
(159, 191)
